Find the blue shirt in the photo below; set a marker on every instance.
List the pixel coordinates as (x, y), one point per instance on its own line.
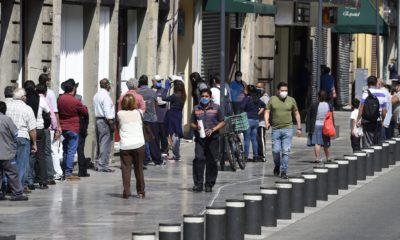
(252, 108)
(327, 83)
(237, 91)
(210, 115)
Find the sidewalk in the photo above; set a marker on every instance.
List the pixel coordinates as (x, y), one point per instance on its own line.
(93, 208)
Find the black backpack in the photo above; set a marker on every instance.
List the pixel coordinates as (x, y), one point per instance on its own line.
(371, 108)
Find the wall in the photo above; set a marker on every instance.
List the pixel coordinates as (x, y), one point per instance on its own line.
(281, 59)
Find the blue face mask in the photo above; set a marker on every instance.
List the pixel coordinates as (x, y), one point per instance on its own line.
(158, 85)
(204, 101)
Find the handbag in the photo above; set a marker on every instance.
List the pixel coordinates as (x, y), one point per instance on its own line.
(329, 128)
(147, 133)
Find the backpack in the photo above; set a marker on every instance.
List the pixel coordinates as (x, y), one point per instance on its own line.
(371, 108)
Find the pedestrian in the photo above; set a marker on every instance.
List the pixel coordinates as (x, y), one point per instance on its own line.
(237, 87)
(131, 145)
(8, 151)
(207, 147)
(55, 130)
(396, 106)
(70, 110)
(280, 108)
(197, 83)
(387, 125)
(392, 67)
(253, 107)
(314, 124)
(132, 84)
(174, 116)
(105, 114)
(24, 118)
(161, 110)
(261, 131)
(371, 113)
(83, 133)
(216, 95)
(150, 119)
(355, 137)
(327, 83)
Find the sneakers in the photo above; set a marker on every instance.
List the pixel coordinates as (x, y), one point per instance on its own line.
(107, 170)
(72, 178)
(197, 188)
(284, 176)
(31, 187)
(43, 186)
(276, 170)
(208, 189)
(19, 198)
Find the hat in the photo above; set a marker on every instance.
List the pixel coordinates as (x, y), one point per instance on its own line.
(176, 78)
(132, 83)
(68, 85)
(158, 78)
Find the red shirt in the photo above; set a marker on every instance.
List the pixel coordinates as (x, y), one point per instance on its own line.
(69, 110)
(139, 100)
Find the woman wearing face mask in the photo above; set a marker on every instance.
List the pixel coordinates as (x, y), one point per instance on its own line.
(254, 107)
(173, 117)
(237, 88)
(206, 148)
(161, 110)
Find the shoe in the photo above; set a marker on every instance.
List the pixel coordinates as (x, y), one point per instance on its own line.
(171, 158)
(107, 170)
(19, 198)
(284, 176)
(83, 175)
(71, 178)
(164, 163)
(51, 182)
(126, 196)
(208, 189)
(197, 188)
(43, 186)
(141, 195)
(31, 187)
(276, 171)
(26, 190)
(58, 177)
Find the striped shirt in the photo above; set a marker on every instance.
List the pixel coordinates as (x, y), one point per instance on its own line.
(377, 93)
(22, 116)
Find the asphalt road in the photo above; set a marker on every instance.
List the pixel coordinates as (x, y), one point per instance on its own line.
(369, 213)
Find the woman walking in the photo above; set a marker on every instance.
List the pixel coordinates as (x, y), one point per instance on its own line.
(131, 145)
(314, 125)
(173, 117)
(254, 107)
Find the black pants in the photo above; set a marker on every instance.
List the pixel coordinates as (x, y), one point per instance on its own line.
(372, 134)
(38, 163)
(153, 145)
(355, 143)
(261, 141)
(9, 171)
(206, 155)
(81, 155)
(163, 142)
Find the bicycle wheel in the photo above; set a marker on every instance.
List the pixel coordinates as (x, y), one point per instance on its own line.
(230, 154)
(239, 156)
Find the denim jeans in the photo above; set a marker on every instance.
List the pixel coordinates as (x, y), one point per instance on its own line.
(176, 143)
(251, 135)
(281, 143)
(22, 157)
(70, 145)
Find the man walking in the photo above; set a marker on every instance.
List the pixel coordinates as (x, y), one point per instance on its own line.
(8, 150)
(105, 113)
(371, 113)
(281, 108)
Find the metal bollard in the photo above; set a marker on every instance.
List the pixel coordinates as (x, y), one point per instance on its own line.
(385, 155)
(169, 231)
(392, 150)
(284, 209)
(343, 174)
(297, 194)
(269, 206)
(253, 213)
(377, 158)
(333, 176)
(361, 165)
(352, 177)
(397, 151)
(369, 164)
(193, 227)
(322, 183)
(235, 219)
(215, 223)
(310, 189)
(143, 236)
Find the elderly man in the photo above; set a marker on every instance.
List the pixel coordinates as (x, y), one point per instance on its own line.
(24, 118)
(105, 113)
(132, 85)
(8, 150)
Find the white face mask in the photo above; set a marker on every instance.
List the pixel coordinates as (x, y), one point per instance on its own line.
(283, 94)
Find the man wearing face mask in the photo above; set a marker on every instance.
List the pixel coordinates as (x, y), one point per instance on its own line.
(161, 110)
(281, 108)
(261, 126)
(206, 148)
(237, 88)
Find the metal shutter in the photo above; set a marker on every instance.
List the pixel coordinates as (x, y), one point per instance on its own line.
(210, 61)
(373, 56)
(343, 71)
(314, 36)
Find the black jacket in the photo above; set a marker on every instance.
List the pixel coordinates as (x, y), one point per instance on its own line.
(312, 117)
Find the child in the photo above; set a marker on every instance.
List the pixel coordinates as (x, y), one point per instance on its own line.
(355, 137)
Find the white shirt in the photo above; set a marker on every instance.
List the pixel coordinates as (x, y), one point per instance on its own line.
(216, 95)
(130, 129)
(22, 116)
(43, 107)
(353, 116)
(103, 105)
(51, 97)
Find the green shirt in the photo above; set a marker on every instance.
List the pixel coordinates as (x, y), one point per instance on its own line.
(281, 111)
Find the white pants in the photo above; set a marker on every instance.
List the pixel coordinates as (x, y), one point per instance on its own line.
(56, 154)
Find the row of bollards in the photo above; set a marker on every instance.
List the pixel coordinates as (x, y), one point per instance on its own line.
(240, 219)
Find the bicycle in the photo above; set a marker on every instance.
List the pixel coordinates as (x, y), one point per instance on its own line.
(233, 146)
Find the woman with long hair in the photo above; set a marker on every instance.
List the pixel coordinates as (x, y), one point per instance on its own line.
(131, 145)
(173, 118)
(254, 107)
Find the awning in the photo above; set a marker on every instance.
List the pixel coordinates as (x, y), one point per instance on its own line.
(240, 6)
(359, 20)
(332, 3)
